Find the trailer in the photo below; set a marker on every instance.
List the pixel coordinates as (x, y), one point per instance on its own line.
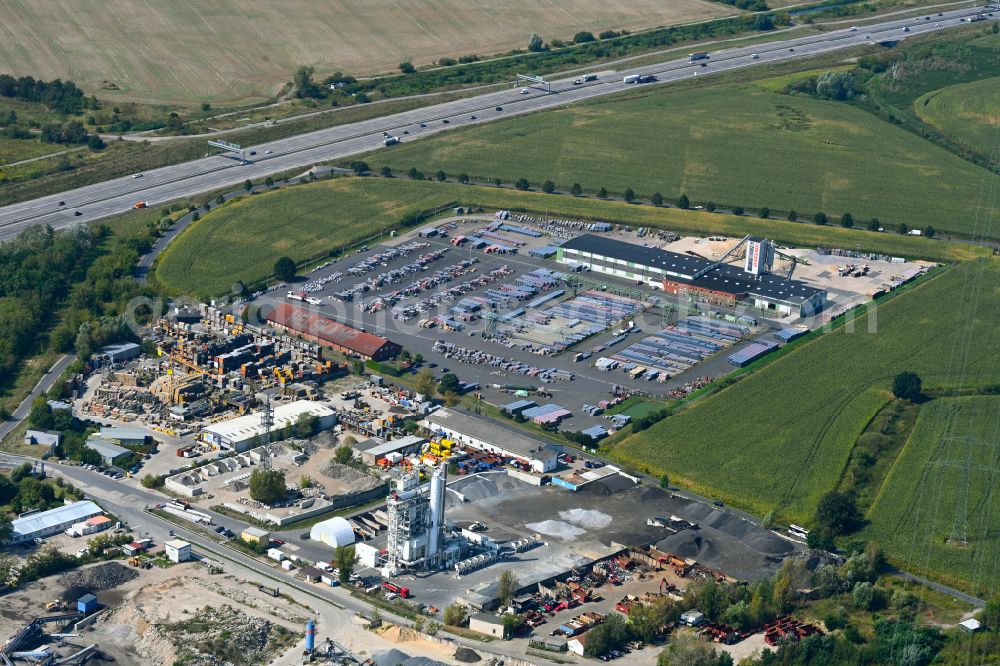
(631, 78)
(700, 55)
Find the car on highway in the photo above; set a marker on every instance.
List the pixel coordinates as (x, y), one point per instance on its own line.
(937, 25)
(754, 56)
(423, 124)
(62, 203)
(854, 28)
(137, 175)
(868, 36)
(906, 29)
(445, 121)
(525, 91)
(267, 152)
(577, 82)
(792, 49)
(253, 152)
(472, 117)
(77, 213)
(499, 108)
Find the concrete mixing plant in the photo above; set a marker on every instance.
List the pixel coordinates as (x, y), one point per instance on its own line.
(416, 525)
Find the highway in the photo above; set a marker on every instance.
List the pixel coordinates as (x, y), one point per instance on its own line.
(112, 197)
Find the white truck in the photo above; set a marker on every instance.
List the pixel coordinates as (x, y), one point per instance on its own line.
(631, 78)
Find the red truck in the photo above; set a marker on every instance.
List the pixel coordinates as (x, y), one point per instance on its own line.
(397, 589)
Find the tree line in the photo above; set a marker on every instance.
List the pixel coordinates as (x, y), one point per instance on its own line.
(63, 97)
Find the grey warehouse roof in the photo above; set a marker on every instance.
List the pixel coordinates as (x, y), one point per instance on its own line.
(681, 267)
(492, 433)
(106, 449)
(70, 513)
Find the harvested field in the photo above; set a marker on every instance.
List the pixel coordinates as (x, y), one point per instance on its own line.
(233, 52)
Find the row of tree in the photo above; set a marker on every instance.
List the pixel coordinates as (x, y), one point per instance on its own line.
(63, 97)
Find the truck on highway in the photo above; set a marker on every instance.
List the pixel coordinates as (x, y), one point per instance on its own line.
(296, 295)
(631, 78)
(391, 141)
(139, 204)
(700, 55)
(589, 77)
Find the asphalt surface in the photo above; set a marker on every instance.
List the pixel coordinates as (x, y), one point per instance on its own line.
(183, 180)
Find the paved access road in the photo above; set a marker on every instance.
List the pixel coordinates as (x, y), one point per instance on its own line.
(190, 178)
(43, 385)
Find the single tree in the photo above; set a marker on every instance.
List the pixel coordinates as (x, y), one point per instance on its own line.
(463, 178)
(284, 269)
(548, 187)
(344, 454)
(837, 512)
(656, 199)
(359, 167)
(449, 382)
(874, 224)
(305, 481)
(903, 229)
(793, 216)
(386, 172)
(576, 190)
(507, 586)
(847, 220)
(535, 43)
(765, 213)
(454, 615)
(930, 231)
(522, 184)
(664, 481)
(407, 67)
(344, 559)
(267, 485)
(220, 199)
(820, 218)
(269, 182)
(710, 206)
(248, 185)
(602, 193)
(306, 426)
(583, 36)
(629, 195)
(907, 386)
(737, 210)
(683, 202)
(426, 382)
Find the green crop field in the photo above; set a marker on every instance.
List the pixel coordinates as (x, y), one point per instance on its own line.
(780, 438)
(735, 144)
(914, 516)
(242, 240)
(968, 112)
(232, 51)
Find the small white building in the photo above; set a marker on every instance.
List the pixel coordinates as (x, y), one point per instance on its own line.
(577, 645)
(692, 618)
(487, 623)
(49, 438)
(971, 625)
(334, 532)
(177, 550)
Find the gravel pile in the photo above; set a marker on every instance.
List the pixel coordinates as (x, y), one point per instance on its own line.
(99, 578)
(355, 478)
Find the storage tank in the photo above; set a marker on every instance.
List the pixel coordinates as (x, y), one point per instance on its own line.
(334, 532)
(310, 636)
(438, 482)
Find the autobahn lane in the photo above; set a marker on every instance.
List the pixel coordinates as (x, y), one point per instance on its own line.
(301, 151)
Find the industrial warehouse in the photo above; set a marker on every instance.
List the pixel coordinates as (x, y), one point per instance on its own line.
(715, 281)
(332, 334)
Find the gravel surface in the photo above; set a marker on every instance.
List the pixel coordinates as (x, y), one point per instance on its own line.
(99, 578)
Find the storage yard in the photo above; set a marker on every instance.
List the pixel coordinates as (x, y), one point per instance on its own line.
(499, 297)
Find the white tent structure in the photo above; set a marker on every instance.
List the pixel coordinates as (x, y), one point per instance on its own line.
(333, 532)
